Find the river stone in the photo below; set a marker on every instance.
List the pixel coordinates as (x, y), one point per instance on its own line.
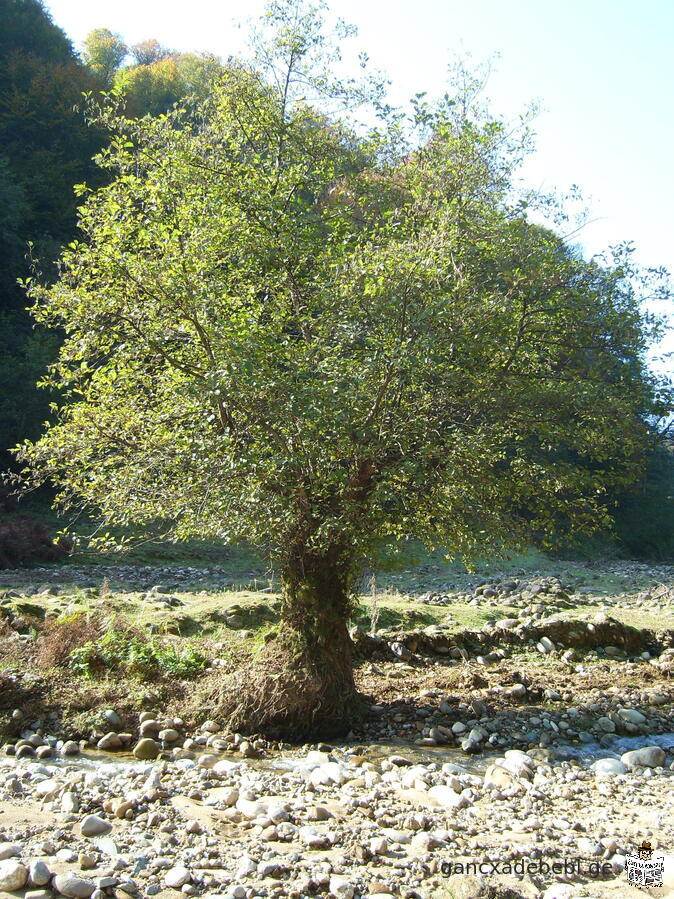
(70, 747)
(448, 798)
(341, 888)
(10, 850)
(606, 725)
(48, 789)
(646, 757)
(177, 877)
(73, 886)
(110, 742)
(326, 774)
(146, 749)
(313, 838)
(70, 802)
(250, 809)
(608, 767)
(13, 875)
(38, 874)
(632, 716)
(169, 735)
(517, 691)
(498, 776)
(149, 728)
(112, 718)
(559, 891)
(225, 768)
(24, 752)
(93, 826)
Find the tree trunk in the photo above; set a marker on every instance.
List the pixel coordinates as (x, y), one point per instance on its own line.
(302, 688)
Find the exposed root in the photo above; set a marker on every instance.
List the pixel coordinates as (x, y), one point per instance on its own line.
(279, 699)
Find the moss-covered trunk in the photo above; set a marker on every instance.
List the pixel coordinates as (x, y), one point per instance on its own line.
(303, 687)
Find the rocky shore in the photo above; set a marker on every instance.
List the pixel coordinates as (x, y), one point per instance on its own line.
(522, 757)
(216, 814)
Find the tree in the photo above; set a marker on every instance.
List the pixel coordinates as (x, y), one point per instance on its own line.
(153, 88)
(45, 148)
(104, 52)
(147, 52)
(287, 330)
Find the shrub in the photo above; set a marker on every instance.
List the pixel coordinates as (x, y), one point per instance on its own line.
(59, 637)
(24, 541)
(131, 653)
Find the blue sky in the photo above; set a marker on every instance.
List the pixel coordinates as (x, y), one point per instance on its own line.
(601, 70)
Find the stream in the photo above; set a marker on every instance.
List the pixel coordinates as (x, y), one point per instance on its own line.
(112, 763)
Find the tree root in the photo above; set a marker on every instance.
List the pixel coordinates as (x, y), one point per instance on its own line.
(289, 699)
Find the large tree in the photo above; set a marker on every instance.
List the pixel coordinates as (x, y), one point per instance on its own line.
(285, 329)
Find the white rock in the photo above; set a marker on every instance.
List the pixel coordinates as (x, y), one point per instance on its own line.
(277, 812)
(70, 802)
(223, 768)
(559, 891)
(608, 767)
(247, 867)
(251, 809)
(226, 796)
(177, 877)
(341, 888)
(13, 875)
(379, 846)
(47, 789)
(327, 774)
(448, 797)
(313, 838)
(10, 850)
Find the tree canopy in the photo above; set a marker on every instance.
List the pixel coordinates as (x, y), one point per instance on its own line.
(284, 328)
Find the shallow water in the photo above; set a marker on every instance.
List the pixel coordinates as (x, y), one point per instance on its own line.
(113, 763)
(590, 752)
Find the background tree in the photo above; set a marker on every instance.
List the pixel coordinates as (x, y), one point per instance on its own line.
(104, 52)
(283, 329)
(45, 147)
(147, 52)
(153, 88)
